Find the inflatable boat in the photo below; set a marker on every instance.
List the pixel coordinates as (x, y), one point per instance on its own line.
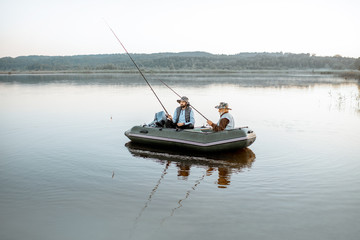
(197, 139)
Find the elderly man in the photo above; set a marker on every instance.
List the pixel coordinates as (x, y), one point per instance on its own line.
(226, 120)
(183, 116)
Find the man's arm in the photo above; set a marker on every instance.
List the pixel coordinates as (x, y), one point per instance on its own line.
(174, 117)
(222, 125)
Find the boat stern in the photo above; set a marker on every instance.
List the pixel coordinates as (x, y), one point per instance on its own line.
(251, 137)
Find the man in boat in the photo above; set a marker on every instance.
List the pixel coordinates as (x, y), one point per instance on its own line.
(183, 116)
(226, 120)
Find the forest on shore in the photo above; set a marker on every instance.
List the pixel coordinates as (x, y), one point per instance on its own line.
(184, 61)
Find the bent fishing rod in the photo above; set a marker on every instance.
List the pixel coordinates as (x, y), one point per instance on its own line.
(137, 68)
(147, 80)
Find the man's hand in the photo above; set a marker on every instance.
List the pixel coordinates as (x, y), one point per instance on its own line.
(169, 117)
(180, 124)
(209, 122)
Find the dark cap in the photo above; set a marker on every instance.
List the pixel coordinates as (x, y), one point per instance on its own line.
(223, 105)
(183, 98)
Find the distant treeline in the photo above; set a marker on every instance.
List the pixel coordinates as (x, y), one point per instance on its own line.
(185, 61)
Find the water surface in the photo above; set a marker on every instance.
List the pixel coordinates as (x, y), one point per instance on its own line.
(68, 172)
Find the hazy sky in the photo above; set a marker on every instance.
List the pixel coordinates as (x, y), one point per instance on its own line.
(46, 27)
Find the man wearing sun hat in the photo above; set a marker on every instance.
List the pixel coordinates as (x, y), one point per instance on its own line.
(183, 116)
(226, 120)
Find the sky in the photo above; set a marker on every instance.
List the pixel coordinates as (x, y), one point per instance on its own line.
(46, 27)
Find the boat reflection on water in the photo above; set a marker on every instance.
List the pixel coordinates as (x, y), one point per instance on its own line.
(224, 163)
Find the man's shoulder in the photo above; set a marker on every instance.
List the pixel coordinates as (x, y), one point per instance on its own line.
(190, 110)
(226, 115)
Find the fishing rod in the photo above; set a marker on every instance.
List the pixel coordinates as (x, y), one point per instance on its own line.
(180, 97)
(147, 80)
(137, 68)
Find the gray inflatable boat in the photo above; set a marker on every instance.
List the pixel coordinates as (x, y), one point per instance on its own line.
(197, 139)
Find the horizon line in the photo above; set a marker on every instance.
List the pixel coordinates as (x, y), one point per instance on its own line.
(216, 54)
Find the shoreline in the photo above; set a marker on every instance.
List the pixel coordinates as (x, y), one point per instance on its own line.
(346, 74)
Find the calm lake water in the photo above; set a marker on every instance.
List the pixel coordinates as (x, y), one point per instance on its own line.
(68, 172)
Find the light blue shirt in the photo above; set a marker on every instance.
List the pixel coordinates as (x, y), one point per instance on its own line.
(182, 117)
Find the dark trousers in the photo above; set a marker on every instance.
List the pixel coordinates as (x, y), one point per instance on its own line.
(171, 124)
